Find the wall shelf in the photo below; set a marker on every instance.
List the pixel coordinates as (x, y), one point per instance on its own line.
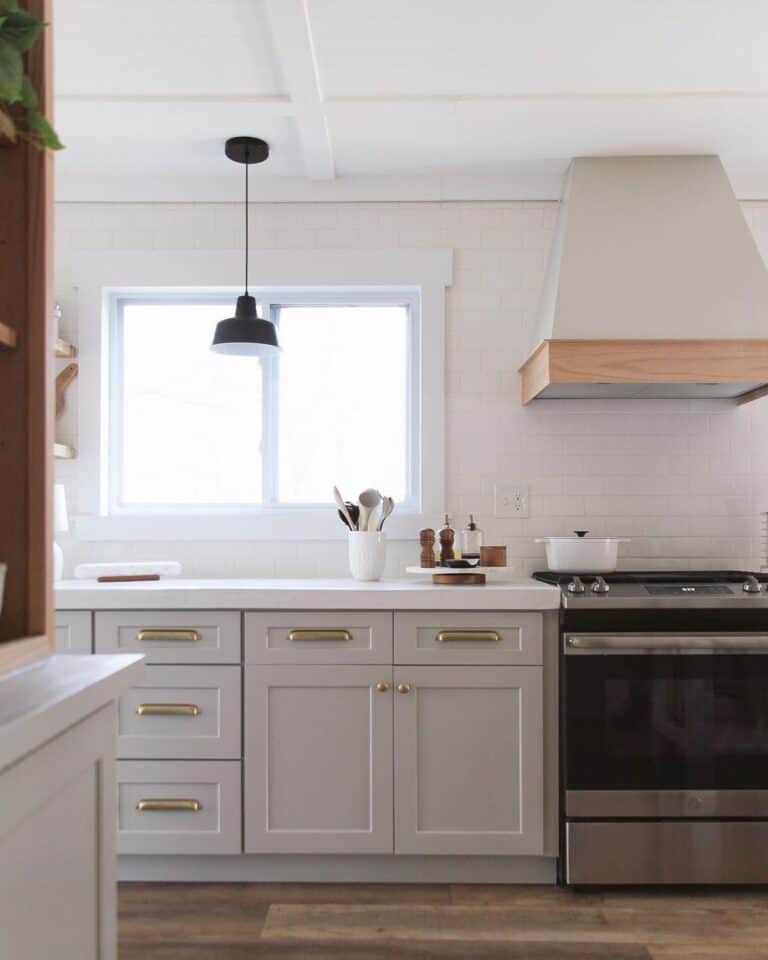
(7, 337)
(63, 451)
(65, 349)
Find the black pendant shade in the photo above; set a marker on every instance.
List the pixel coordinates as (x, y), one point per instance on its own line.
(246, 334)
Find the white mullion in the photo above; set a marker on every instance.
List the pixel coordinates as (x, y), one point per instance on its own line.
(270, 402)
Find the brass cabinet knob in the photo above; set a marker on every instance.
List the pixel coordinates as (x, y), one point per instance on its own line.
(382, 686)
(403, 688)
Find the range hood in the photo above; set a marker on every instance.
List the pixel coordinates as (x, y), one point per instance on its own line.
(655, 287)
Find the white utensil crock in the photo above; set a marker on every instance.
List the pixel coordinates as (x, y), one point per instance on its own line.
(367, 554)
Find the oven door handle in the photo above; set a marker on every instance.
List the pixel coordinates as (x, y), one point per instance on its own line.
(661, 642)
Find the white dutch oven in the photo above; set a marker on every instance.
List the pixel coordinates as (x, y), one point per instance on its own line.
(579, 555)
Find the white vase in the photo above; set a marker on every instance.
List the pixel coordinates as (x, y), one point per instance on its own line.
(367, 554)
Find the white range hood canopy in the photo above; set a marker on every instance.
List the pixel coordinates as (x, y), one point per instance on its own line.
(652, 249)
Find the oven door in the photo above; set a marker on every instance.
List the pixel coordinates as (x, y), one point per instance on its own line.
(665, 725)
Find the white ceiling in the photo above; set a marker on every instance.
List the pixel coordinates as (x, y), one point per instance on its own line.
(431, 99)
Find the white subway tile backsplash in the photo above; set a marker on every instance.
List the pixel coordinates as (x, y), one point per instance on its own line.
(683, 479)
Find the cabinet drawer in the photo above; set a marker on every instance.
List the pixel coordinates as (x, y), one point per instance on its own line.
(346, 637)
(468, 638)
(73, 631)
(182, 713)
(171, 636)
(184, 807)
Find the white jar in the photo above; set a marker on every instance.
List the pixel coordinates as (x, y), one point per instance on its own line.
(367, 554)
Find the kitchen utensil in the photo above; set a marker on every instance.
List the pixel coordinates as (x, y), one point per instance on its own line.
(129, 579)
(493, 556)
(367, 554)
(580, 554)
(369, 501)
(387, 506)
(343, 509)
(463, 564)
(354, 512)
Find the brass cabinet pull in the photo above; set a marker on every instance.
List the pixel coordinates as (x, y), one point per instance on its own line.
(403, 688)
(382, 686)
(487, 636)
(186, 636)
(166, 805)
(299, 635)
(167, 709)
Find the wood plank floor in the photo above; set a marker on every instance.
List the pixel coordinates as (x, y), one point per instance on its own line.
(294, 921)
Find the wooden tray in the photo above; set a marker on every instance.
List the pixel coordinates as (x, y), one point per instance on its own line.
(455, 576)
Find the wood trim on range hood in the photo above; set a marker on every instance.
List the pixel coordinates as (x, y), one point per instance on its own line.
(735, 368)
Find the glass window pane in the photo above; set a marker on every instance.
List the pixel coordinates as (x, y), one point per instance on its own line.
(343, 401)
(192, 419)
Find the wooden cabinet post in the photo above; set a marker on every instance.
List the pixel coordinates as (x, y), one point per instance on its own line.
(26, 359)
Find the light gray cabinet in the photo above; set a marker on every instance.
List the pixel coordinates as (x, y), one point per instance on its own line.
(186, 806)
(318, 759)
(336, 760)
(73, 632)
(170, 636)
(468, 760)
(57, 859)
(476, 637)
(182, 713)
(280, 636)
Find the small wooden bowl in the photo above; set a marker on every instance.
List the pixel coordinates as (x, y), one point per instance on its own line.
(493, 556)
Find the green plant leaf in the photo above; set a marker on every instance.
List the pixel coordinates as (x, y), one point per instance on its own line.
(10, 5)
(22, 29)
(42, 132)
(7, 126)
(11, 72)
(29, 98)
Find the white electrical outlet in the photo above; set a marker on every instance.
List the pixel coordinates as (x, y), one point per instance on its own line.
(511, 500)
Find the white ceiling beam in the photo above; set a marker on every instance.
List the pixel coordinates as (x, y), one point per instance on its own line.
(292, 33)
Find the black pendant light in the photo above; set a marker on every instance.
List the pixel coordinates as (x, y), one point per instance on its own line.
(246, 334)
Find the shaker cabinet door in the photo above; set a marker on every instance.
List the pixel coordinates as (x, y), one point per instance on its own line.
(318, 759)
(73, 632)
(468, 760)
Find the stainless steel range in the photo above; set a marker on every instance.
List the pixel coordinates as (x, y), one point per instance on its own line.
(664, 727)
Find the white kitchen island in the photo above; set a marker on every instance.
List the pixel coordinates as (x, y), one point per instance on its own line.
(57, 783)
(331, 730)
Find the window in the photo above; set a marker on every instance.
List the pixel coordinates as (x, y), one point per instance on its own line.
(194, 431)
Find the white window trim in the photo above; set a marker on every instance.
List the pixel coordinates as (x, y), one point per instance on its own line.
(98, 275)
(268, 299)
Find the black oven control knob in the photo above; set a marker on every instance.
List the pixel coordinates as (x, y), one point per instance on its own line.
(751, 585)
(600, 586)
(575, 586)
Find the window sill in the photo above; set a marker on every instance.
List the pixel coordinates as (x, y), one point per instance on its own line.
(293, 526)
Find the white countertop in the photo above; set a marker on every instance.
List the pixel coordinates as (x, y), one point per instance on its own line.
(305, 594)
(45, 698)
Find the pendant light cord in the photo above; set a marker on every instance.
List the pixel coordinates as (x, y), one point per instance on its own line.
(247, 159)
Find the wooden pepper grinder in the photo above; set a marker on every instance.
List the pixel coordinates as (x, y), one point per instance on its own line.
(427, 541)
(447, 537)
